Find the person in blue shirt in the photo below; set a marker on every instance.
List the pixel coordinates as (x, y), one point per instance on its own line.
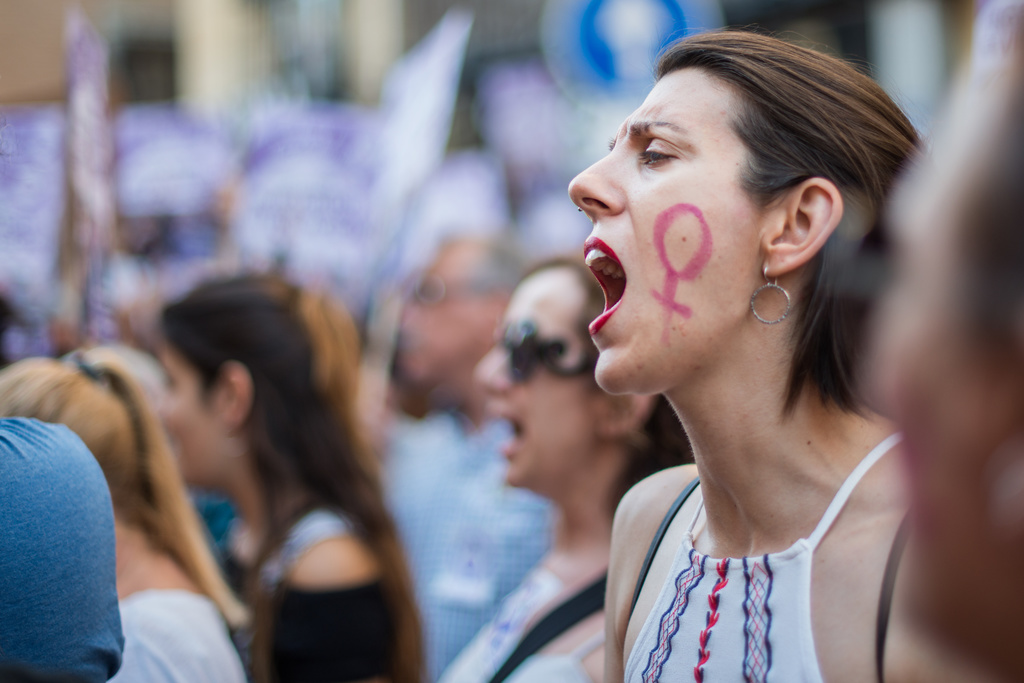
(470, 538)
(58, 598)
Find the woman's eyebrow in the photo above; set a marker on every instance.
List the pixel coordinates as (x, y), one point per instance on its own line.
(639, 129)
(642, 128)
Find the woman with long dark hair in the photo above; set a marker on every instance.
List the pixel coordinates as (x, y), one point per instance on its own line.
(262, 406)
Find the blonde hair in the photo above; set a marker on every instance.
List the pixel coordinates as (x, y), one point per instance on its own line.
(98, 399)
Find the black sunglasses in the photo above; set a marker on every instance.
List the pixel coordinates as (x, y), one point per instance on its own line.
(526, 350)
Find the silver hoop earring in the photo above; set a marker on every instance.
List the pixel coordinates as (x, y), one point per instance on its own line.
(770, 285)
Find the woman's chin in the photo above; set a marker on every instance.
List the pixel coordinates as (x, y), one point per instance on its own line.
(634, 371)
(515, 479)
(613, 373)
(513, 473)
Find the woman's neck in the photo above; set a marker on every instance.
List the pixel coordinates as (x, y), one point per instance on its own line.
(247, 496)
(582, 530)
(141, 567)
(767, 474)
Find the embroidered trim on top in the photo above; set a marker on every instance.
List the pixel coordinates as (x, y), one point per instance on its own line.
(757, 620)
(704, 653)
(685, 582)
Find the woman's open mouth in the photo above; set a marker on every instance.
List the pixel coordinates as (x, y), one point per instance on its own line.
(609, 273)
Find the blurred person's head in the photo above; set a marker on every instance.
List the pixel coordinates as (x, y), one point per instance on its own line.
(59, 610)
(450, 319)
(951, 369)
(261, 368)
(540, 378)
(94, 395)
(262, 405)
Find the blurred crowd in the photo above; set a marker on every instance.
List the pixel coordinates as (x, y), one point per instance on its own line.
(768, 426)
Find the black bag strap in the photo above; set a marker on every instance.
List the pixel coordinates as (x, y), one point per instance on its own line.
(899, 543)
(658, 536)
(574, 610)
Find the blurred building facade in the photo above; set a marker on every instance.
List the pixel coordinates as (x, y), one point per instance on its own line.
(215, 54)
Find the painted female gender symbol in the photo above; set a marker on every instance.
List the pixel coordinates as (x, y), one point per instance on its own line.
(693, 268)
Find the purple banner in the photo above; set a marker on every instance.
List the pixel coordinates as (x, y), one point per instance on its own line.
(305, 202)
(169, 162)
(31, 210)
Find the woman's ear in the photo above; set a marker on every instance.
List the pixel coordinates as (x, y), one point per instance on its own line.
(624, 414)
(232, 395)
(807, 217)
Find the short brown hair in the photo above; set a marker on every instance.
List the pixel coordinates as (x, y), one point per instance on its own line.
(806, 114)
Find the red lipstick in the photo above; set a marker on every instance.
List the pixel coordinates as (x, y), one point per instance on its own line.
(607, 268)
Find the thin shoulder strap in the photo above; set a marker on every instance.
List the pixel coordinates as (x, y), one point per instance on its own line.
(659, 535)
(844, 492)
(899, 543)
(568, 614)
(316, 526)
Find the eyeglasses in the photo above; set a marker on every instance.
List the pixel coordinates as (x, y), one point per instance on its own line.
(526, 350)
(433, 290)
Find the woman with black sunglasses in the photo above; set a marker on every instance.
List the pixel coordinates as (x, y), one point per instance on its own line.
(582, 449)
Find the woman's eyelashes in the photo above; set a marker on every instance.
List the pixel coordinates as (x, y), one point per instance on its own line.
(650, 157)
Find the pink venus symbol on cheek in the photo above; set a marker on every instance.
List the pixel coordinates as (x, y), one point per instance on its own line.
(689, 272)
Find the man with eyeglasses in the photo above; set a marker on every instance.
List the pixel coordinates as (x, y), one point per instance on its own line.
(469, 537)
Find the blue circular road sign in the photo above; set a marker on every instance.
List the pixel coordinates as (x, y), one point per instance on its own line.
(610, 46)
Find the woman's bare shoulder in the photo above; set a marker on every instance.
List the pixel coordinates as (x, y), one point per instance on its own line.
(636, 520)
(645, 505)
(334, 563)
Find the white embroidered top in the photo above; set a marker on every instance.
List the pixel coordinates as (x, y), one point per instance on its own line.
(738, 619)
